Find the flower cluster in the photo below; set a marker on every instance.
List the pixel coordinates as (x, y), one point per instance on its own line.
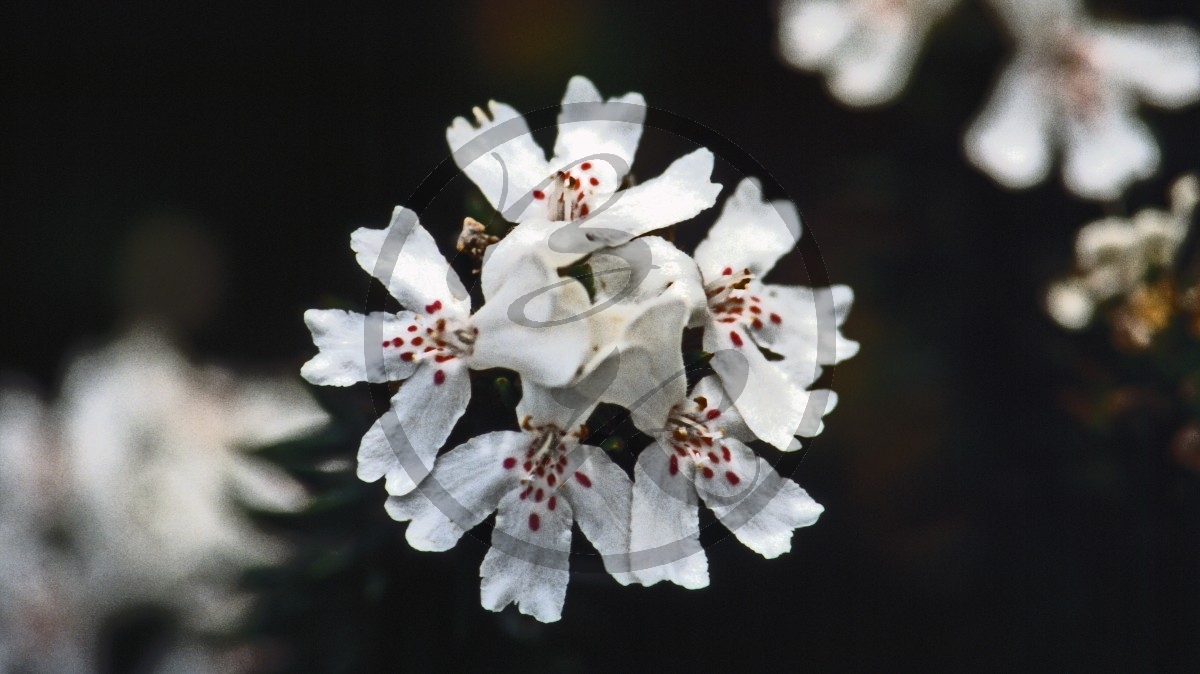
(130, 491)
(1072, 82)
(613, 334)
(1131, 260)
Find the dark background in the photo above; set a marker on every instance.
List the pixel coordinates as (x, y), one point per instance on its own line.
(975, 518)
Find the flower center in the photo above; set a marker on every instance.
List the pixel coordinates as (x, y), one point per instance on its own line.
(1075, 77)
(432, 337)
(692, 440)
(730, 301)
(544, 466)
(568, 195)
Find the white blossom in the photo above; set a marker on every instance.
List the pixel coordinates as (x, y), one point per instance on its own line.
(801, 326)
(40, 616)
(538, 480)
(156, 451)
(1077, 83)
(865, 48)
(593, 154)
(702, 455)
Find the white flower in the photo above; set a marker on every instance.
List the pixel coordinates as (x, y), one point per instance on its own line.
(433, 344)
(743, 314)
(866, 48)
(155, 449)
(592, 156)
(703, 452)
(539, 481)
(1115, 255)
(39, 617)
(1077, 82)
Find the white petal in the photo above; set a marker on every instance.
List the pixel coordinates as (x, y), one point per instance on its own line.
(270, 410)
(501, 157)
(465, 487)
(680, 193)
(345, 350)
(1107, 151)
(650, 376)
(1106, 241)
(810, 333)
(751, 233)
(535, 323)
(1010, 140)
(757, 505)
(565, 407)
(873, 66)
(654, 266)
(528, 563)
(601, 505)
(1160, 63)
(266, 486)
(589, 128)
(508, 258)
(811, 31)
(664, 530)
(404, 442)
(771, 405)
(406, 259)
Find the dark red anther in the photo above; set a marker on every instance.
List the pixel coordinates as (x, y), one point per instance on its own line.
(594, 182)
(712, 414)
(509, 463)
(708, 472)
(585, 165)
(534, 522)
(727, 271)
(735, 338)
(439, 377)
(674, 467)
(776, 319)
(412, 328)
(732, 477)
(552, 502)
(538, 194)
(583, 479)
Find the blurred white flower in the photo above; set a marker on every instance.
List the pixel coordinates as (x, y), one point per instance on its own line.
(157, 452)
(39, 610)
(865, 48)
(703, 452)
(539, 481)
(1077, 82)
(592, 156)
(1114, 256)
